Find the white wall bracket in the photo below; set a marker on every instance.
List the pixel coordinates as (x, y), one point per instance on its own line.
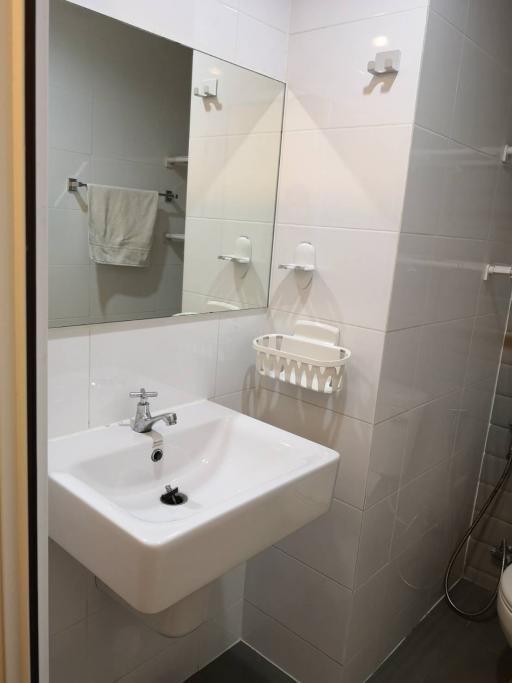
(304, 259)
(385, 63)
(243, 252)
(496, 269)
(506, 154)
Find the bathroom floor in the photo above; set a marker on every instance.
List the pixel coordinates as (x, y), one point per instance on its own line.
(445, 648)
(240, 664)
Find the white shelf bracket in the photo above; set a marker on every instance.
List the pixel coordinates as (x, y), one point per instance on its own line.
(496, 269)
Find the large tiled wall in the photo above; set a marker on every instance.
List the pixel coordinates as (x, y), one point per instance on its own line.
(497, 523)
(405, 200)
(119, 104)
(397, 183)
(92, 367)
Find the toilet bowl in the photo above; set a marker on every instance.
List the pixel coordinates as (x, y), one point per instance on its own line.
(504, 604)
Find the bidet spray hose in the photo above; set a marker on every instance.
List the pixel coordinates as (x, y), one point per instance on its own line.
(481, 612)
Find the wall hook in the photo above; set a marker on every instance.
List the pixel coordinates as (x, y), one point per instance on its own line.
(385, 63)
(208, 88)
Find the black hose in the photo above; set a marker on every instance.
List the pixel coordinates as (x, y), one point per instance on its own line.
(481, 612)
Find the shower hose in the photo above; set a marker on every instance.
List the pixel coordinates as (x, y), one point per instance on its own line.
(478, 615)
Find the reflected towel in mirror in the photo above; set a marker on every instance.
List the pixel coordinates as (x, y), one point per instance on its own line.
(121, 225)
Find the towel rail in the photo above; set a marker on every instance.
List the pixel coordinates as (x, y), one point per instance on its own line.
(74, 185)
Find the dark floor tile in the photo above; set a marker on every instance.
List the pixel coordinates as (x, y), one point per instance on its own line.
(446, 648)
(240, 664)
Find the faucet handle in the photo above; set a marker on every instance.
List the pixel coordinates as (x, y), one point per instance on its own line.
(143, 394)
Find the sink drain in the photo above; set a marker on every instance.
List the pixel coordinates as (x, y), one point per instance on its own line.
(157, 455)
(173, 497)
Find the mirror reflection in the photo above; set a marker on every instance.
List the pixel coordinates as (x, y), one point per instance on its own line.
(163, 175)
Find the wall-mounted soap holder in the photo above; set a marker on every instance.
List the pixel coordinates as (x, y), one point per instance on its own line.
(243, 252)
(385, 63)
(303, 263)
(309, 358)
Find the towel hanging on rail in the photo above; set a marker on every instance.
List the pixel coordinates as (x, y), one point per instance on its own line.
(121, 225)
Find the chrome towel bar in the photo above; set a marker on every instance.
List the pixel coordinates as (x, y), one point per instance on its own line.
(74, 185)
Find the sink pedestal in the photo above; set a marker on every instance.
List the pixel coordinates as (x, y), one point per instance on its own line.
(177, 620)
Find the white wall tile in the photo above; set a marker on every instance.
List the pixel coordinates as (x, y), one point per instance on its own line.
(236, 359)
(67, 238)
(376, 536)
(442, 357)
(413, 275)
(421, 504)
(323, 95)
(326, 180)
(485, 351)
(440, 67)
(273, 12)
(475, 408)
(337, 291)
(118, 642)
(175, 358)
(431, 430)
(285, 649)
(68, 380)
(329, 544)
(69, 119)
(372, 598)
(307, 15)
(454, 10)
(430, 160)
(470, 183)
(456, 278)
(489, 26)
(397, 391)
(68, 293)
(215, 28)
(386, 459)
(315, 608)
(261, 47)
(501, 218)
(481, 105)
(449, 188)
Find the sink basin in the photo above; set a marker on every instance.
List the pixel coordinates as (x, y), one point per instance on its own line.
(248, 484)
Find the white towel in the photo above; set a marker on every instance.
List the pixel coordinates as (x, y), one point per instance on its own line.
(121, 224)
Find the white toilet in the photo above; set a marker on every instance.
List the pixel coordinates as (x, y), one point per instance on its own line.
(505, 604)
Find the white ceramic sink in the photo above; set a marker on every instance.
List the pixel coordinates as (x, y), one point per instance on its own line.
(248, 485)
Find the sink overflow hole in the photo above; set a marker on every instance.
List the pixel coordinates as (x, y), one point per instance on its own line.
(173, 497)
(157, 455)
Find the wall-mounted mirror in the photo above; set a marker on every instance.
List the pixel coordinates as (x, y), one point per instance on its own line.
(163, 175)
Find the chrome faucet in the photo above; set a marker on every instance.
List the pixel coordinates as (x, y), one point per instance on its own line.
(143, 420)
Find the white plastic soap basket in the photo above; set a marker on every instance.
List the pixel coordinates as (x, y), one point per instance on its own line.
(309, 358)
